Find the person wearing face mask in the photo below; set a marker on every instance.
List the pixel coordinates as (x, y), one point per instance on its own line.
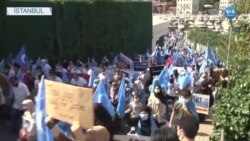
(183, 107)
(146, 125)
(157, 103)
(187, 128)
(205, 89)
(20, 93)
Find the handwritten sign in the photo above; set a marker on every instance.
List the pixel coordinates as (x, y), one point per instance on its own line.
(201, 102)
(70, 104)
(140, 66)
(130, 137)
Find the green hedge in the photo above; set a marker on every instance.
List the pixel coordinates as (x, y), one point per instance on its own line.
(78, 29)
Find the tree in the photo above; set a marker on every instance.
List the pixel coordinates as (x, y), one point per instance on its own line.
(204, 37)
(232, 112)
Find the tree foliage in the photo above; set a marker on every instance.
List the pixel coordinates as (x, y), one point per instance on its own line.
(232, 111)
(212, 38)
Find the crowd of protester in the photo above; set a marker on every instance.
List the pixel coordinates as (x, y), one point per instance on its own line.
(164, 114)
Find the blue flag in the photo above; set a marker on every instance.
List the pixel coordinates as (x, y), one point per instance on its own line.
(101, 96)
(210, 55)
(171, 70)
(121, 99)
(184, 81)
(64, 128)
(21, 58)
(43, 131)
(2, 65)
(202, 67)
(163, 78)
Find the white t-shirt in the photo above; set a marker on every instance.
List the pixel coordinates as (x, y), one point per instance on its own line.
(21, 92)
(80, 82)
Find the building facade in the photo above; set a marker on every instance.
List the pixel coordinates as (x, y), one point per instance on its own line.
(225, 3)
(187, 7)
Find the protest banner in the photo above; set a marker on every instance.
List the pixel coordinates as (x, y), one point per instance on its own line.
(201, 102)
(156, 70)
(69, 103)
(130, 137)
(140, 66)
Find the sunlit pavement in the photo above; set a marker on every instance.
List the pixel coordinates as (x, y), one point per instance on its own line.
(205, 131)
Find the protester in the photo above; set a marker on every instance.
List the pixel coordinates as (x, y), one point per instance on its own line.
(187, 128)
(217, 72)
(133, 112)
(45, 67)
(172, 88)
(157, 103)
(195, 76)
(20, 93)
(114, 94)
(53, 77)
(28, 130)
(146, 124)
(164, 134)
(143, 120)
(182, 108)
(224, 79)
(77, 80)
(205, 89)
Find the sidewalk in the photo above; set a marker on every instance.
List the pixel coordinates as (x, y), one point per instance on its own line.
(205, 130)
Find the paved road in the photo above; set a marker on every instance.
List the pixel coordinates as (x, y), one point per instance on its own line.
(205, 131)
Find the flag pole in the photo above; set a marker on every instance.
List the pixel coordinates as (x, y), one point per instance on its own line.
(207, 51)
(229, 43)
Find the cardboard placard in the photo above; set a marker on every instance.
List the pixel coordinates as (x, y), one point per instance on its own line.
(140, 66)
(156, 70)
(201, 102)
(69, 103)
(130, 137)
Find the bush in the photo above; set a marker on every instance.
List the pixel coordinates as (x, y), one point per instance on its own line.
(232, 111)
